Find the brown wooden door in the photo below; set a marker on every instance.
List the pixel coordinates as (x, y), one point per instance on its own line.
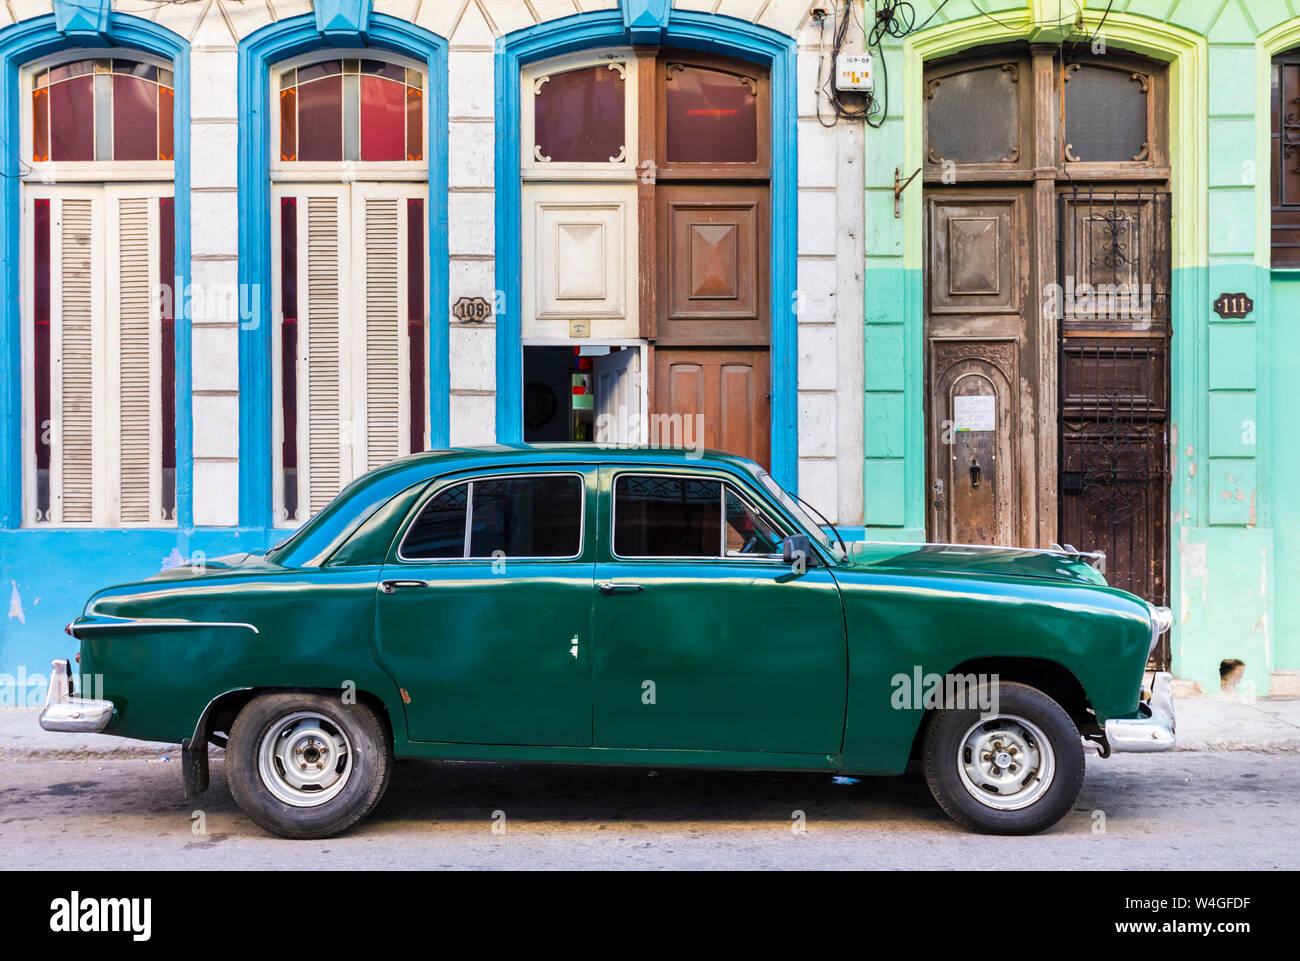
(713, 281)
(977, 307)
(705, 218)
(1114, 368)
(729, 388)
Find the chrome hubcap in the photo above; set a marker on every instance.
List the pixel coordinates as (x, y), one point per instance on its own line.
(304, 759)
(1005, 762)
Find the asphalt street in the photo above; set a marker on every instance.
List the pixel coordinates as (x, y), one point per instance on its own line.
(1197, 810)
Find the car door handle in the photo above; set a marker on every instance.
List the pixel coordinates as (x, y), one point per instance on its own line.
(609, 588)
(388, 587)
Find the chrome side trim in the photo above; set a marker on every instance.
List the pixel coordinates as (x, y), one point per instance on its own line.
(141, 623)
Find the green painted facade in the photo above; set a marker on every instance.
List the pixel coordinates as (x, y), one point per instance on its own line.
(1235, 529)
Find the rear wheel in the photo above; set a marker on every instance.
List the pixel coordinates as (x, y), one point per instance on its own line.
(307, 765)
(1015, 771)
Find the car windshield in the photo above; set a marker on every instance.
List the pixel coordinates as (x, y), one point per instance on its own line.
(801, 514)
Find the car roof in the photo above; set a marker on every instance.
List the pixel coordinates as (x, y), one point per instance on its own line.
(495, 455)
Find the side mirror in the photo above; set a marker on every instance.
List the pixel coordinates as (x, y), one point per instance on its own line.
(798, 547)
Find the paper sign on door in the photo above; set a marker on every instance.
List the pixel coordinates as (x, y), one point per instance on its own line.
(974, 412)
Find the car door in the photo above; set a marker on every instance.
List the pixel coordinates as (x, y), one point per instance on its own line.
(484, 609)
(705, 639)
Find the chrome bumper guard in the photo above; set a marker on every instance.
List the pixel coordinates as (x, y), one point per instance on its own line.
(63, 712)
(1152, 733)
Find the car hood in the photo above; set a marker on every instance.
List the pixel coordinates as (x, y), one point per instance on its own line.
(973, 559)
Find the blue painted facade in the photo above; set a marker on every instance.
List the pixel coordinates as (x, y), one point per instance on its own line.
(48, 573)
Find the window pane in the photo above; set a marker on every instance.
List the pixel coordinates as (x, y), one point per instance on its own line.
(41, 350)
(667, 516)
(415, 316)
(40, 125)
(527, 517)
(289, 353)
(578, 116)
(1105, 114)
(712, 116)
(167, 348)
(288, 124)
(747, 531)
(135, 118)
(320, 119)
(72, 119)
(439, 531)
(971, 117)
(383, 119)
(414, 124)
(166, 122)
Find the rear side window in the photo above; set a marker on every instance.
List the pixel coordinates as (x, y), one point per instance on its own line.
(534, 516)
(658, 516)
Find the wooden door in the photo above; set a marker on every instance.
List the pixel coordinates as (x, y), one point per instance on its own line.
(708, 312)
(725, 392)
(977, 307)
(1114, 369)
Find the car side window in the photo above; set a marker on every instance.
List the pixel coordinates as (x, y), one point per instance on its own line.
(662, 516)
(747, 531)
(439, 531)
(666, 516)
(527, 516)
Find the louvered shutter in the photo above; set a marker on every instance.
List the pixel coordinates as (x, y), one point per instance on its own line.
(105, 361)
(382, 399)
(74, 297)
(353, 364)
(132, 228)
(321, 352)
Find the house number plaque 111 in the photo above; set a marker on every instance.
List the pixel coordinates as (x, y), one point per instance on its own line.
(1233, 306)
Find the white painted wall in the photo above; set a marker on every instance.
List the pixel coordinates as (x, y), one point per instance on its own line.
(830, 396)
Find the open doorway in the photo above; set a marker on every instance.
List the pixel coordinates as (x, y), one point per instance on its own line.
(588, 393)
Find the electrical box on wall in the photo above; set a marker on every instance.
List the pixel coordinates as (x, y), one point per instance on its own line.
(854, 73)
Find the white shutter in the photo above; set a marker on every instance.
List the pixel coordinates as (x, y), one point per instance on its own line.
(133, 277)
(105, 355)
(381, 403)
(353, 362)
(73, 300)
(325, 441)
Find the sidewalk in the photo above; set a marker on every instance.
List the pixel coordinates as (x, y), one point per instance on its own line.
(1205, 723)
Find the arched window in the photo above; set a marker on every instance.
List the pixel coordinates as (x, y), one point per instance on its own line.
(102, 110)
(350, 273)
(98, 265)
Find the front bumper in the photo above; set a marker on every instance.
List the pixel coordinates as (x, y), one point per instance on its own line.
(63, 712)
(1155, 732)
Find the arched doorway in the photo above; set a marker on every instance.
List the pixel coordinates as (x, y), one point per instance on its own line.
(1047, 326)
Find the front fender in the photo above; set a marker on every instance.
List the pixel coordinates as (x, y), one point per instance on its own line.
(900, 626)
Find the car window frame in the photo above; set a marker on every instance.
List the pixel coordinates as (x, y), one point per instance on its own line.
(437, 489)
(725, 481)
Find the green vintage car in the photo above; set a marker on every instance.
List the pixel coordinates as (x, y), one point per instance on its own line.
(622, 607)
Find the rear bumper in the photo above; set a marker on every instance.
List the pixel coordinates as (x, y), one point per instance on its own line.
(63, 712)
(1155, 732)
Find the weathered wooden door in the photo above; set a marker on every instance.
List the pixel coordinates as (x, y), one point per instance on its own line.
(977, 304)
(1114, 369)
(1047, 323)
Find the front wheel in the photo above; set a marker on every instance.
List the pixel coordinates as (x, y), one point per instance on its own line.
(1015, 771)
(306, 765)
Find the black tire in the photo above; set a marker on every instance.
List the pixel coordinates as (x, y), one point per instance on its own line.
(945, 757)
(363, 767)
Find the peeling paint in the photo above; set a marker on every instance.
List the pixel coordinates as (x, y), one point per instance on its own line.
(1261, 626)
(16, 604)
(1193, 569)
